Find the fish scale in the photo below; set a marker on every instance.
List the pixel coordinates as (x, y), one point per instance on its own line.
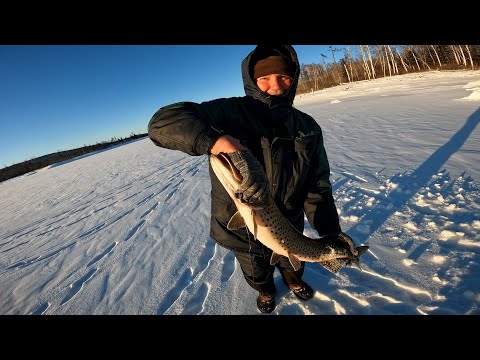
(285, 239)
(273, 230)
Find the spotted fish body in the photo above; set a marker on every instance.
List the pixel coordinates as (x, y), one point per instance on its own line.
(274, 231)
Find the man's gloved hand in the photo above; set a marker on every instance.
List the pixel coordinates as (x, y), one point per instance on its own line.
(254, 189)
(346, 238)
(341, 237)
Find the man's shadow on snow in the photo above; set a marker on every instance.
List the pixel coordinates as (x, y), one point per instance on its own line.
(414, 181)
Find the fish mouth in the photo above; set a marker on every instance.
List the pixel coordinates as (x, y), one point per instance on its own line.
(227, 162)
(224, 158)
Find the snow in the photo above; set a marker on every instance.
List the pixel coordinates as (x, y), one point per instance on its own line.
(126, 230)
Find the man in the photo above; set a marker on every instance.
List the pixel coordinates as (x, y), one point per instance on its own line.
(288, 144)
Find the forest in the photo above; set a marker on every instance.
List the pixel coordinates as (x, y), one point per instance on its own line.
(366, 62)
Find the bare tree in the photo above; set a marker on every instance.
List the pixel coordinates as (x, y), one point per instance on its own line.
(387, 61)
(469, 56)
(402, 61)
(422, 55)
(317, 75)
(371, 62)
(325, 75)
(362, 63)
(413, 53)
(357, 67)
(436, 54)
(393, 60)
(335, 66)
(311, 77)
(430, 54)
(457, 59)
(348, 60)
(463, 55)
(381, 58)
(365, 64)
(346, 70)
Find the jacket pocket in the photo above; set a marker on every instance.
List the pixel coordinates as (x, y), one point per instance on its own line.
(304, 150)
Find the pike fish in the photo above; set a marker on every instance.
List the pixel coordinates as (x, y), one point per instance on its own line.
(273, 230)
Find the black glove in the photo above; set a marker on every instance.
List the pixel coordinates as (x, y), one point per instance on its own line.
(254, 189)
(343, 237)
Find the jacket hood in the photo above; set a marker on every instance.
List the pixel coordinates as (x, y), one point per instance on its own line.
(249, 83)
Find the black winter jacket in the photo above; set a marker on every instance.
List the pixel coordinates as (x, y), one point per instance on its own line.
(288, 143)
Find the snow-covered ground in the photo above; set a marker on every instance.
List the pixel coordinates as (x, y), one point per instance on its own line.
(126, 230)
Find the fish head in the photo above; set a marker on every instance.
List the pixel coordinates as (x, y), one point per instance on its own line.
(355, 261)
(230, 177)
(335, 265)
(226, 172)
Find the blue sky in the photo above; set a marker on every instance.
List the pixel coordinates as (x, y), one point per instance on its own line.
(60, 97)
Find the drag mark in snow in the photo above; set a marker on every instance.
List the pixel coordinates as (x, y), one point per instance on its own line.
(14, 247)
(339, 309)
(174, 293)
(145, 199)
(105, 253)
(25, 263)
(131, 196)
(149, 211)
(77, 286)
(228, 267)
(424, 310)
(24, 231)
(93, 230)
(396, 283)
(353, 177)
(108, 198)
(175, 189)
(194, 170)
(388, 298)
(358, 300)
(200, 294)
(206, 257)
(103, 225)
(135, 230)
(196, 303)
(41, 309)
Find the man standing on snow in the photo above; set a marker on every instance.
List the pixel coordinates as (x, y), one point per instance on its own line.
(288, 143)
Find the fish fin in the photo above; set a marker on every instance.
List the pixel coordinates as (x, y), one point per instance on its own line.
(362, 249)
(258, 219)
(236, 222)
(354, 263)
(333, 265)
(294, 261)
(275, 258)
(358, 266)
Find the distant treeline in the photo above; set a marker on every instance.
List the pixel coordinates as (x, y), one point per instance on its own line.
(364, 62)
(43, 161)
